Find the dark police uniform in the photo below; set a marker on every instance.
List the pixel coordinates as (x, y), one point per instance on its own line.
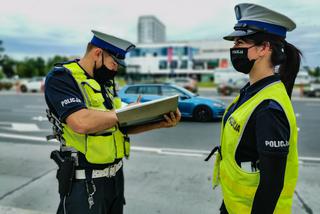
(63, 98)
(267, 123)
(90, 172)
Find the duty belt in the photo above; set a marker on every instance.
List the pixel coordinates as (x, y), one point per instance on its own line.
(108, 172)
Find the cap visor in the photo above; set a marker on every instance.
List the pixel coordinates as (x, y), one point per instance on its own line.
(238, 33)
(120, 62)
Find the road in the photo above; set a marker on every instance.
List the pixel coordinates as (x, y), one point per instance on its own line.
(25, 115)
(166, 172)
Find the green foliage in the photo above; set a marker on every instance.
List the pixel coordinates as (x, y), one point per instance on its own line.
(1, 75)
(315, 72)
(30, 67)
(5, 85)
(8, 65)
(1, 48)
(54, 60)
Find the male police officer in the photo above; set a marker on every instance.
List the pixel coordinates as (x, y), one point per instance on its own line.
(82, 100)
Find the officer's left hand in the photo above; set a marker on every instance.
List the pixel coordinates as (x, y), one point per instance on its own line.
(171, 119)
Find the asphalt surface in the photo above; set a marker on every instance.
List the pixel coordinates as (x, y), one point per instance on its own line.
(166, 173)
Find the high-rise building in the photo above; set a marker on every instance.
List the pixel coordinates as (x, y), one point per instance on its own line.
(151, 30)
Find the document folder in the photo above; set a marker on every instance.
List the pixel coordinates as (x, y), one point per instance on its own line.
(147, 112)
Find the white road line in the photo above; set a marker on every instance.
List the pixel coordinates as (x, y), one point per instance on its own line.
(35, 106)
(23, 137)
(26, 127)
(13, 210)
(313, 104)
(39, 118)
(163, 151)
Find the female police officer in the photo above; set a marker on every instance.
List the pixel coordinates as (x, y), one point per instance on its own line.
(257, 162)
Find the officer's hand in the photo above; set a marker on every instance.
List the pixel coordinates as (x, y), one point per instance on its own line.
(171, 119)
(135, 103)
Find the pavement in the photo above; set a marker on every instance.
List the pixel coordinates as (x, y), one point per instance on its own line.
(170, 182)
(157, 180)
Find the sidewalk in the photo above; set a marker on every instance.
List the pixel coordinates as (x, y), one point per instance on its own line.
(154, 184)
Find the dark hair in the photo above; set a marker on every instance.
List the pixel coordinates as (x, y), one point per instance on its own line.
(284, 54)
(89, 47)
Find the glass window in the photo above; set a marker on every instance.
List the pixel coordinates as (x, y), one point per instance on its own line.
(213, 64)
(151, 90)
(132, 90)
(184, 64)
(164, 51)
(163, 64)
(198, 65)
(170, 91)
(174, 64)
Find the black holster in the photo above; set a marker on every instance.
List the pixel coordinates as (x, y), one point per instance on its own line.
(65, 173)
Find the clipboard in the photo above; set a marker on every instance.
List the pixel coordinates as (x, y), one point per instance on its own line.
(147, 112)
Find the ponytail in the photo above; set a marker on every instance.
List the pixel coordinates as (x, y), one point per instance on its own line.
(284, 54)
(289, 69)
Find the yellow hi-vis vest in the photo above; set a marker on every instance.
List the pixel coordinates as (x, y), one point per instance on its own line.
(239, 186)
(103, 147)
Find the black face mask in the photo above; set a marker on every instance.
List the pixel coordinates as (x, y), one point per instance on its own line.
(240, 60)
(103, 75)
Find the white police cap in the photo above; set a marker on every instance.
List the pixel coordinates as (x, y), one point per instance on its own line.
(254, 18)
(115, 46)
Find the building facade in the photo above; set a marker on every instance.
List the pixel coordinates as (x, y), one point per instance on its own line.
(151, 30)
(185, 58)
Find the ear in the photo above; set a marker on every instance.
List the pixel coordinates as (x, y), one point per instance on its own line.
(265, 48)
(96, 53)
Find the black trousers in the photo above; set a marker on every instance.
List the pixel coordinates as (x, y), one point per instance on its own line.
(108, 198)
(223, 209)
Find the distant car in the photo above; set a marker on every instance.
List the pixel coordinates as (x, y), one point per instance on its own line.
(303, 78)
(36, 84)
(231, 86)
(312, 90)
(186, 82)
(190, 105)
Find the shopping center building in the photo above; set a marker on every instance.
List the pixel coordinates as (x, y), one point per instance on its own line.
(196, 59)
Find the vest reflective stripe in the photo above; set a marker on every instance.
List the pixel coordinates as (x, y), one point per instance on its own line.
(103, 147)
(238, 186)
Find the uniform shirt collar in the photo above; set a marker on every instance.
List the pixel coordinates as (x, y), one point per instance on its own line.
(257, 86)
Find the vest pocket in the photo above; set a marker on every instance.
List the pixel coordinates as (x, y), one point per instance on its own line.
(127, 148)
(93, 93)
(100, 149)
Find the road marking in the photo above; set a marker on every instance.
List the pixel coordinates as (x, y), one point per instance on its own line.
(35, 106)
(163, 151)
(313, 104)
(20, 127)
(39, 118)
(14, 210)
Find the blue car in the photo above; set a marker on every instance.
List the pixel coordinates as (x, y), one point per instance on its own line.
(190, 105)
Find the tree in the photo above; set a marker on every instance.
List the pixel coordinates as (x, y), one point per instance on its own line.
(8, 65)
(54, 60)
(1, 48)
(315, 72)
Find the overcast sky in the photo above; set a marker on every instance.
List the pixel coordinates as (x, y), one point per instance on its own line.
(44, 28)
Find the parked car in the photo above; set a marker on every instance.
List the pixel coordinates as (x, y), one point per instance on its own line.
(303, 78)
(36, 84)
(190, 105)
(312, 90)
(185, 82)
(232, 86)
